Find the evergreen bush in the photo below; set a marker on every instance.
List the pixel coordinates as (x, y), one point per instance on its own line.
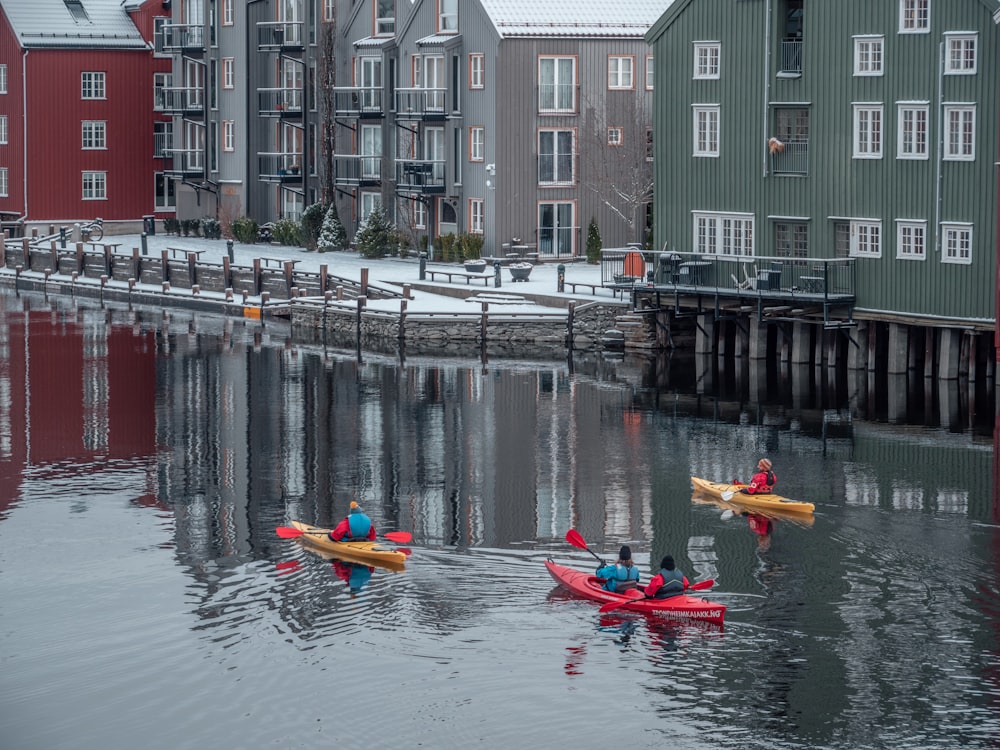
(244, 230)
(375, 238)
(593, 243)
(332, 236)
(287, 232)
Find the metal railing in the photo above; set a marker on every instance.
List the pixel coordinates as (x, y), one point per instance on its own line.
(358, 102)
(419, 102)
(793, 158)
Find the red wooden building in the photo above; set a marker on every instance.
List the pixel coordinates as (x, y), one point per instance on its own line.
(80, 134)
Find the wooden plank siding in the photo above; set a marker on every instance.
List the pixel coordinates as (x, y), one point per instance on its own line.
(836, 186)
(12, 105)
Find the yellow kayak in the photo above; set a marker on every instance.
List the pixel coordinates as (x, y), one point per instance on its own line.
(370, 553)
(731, 493)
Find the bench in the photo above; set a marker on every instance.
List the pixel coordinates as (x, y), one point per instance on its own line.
(182, 253)
(469, 277)
(572, 285)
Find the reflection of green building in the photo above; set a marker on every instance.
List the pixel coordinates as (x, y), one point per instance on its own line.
(861, 128)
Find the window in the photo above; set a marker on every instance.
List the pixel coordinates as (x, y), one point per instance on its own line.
(3, 78)
(477, 143)
(649, 144)
(555, 157)
(163, 132)
(912, 139)
(385, 17)
(228, 135)
(419, 215)
(368, 203)
(161, 82)
(842, 239)
(556, 84)
(92, 85)
(371, 151)
(957, 243)
(476, 216)
(706, 130)
(94, 135)
(163, 190)
(961, 59)
(227, 12)
(615, 136)
(868, 55)
(959, 132)
(477, 71)
(159, 35)
(911, 239)
(228, 72)
(3, 130)
(556, 228)
(620, 72)
(914, 16)
(867, 131)
(706, 59)
(95, 186)
(3, 182)
(329, 9)
(649, 72)
(791, 240)
(448, 15)
(866, 239)
(723, 234)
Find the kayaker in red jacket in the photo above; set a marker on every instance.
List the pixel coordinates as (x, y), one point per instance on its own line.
(356, 527)
(762, 483)
(670, 581)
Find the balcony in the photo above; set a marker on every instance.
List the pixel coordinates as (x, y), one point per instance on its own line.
(790, 64)
(420, 176)
(182, 100)
(280, 36)
(359, 102)
(283, 167)
(420, 104)
(182, 38)
(286, 103)
(354, 170)
(186, 162)
(791, 159)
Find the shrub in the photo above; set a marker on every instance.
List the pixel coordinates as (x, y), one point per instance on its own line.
(171, 225)
(376, 236)
(471, 246)
(188, 226)
(332, 236)
(448, 248)
(287, 232)
(244, 230)
(211, 228)
(312, 224)
(593, 243)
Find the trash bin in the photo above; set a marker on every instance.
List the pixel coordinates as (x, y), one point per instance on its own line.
(149, 224)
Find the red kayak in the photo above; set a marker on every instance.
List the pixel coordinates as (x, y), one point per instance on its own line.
(680, 607)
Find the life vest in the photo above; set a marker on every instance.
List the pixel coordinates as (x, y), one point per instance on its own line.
(360, 526)
(619, 578)
(673, 583)
(762, 483)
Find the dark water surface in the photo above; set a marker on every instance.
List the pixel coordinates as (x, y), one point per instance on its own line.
(146, 602)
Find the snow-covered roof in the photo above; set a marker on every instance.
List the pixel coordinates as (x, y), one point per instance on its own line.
(99, 24)
(574, 18)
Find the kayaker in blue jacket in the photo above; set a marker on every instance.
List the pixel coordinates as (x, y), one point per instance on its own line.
(670, 581)
(356, 527)
(622, 575)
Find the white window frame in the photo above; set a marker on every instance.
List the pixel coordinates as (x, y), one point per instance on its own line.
(447, 16)
(95, 185)
(558, 86)
(3, 78)
(621, 72)
(869, 55)
(961, 54)
(419, 215)
(167, 182)
(477, 217)
(914, 16)
(706, 60)
(93, 84)
(866, 238)
(229, 135)
(650, 67)
(956, 242)
(161, 82)
(3, 182)
(228, 72)
(912, 129)
(477, 143)
(384, 25)
(911, 239)
(705, 130)
(561, 234)
(556, 156)
(329, 9)
(93, 135)
(366, 204)
(4, 134)
(717, 233)
(228, 12)
(477, 70)
(616, 135)
(868, 135)
(959, 132)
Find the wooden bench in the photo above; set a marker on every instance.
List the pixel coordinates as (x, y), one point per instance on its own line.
(572, 285)
(469, 277)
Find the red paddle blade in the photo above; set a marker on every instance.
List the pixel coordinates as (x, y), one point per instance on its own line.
(287, 532)
(398, 536)
(701, 585)
(405, 550)
(574, 538)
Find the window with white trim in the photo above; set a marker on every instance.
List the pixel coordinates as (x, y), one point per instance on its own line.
(914, 16)
(723, 234)
(448, 16)
(476, 216)
(228, 72)
(160, 35)
(866, 239)
(92, 85)
(706, 130)
(419, 215)
(556, 84)
(228, 14)
(911, 140)
(161, 82)
(165, 198)
(620, 72)
(367, 204)
(3, 130)
(868, 55)
(228, 135)
(477, 70)
(163, 135)
(385, 17)
(959, 132)
(329, 9)
(911, 239)
(960, 58)
(867, 131)
(3, 78)
(95, 186)
(3, 182)
(649, 72)
(477, 143)
(555, 157)
(956, 243)
(556, 228)
(94, 135)
(615, 136)
(706, 60)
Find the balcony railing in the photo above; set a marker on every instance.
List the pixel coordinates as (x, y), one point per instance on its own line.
(282, 166)
(279, 35)
(186, 161)
(357, 170)
(161, 145)
(791, 57)
(420, 175)
(420, 103)
(358, 102)
(182, 37)
(273, 102)
(183, 100)
(792, 159)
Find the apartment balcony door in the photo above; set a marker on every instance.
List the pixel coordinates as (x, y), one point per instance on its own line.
(290, 13)
(370, 82)
(434, 79)
(434, 152)
(371, 151)
(292, 73)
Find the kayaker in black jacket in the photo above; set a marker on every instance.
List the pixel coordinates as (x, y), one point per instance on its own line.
(670, 581)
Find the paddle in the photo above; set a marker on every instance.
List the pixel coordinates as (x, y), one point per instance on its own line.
(701, 585)
(287, 532)
(574, 538)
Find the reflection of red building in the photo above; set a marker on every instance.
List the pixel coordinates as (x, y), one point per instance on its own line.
(77, 398)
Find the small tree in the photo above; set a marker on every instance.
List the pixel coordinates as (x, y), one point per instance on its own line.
(332, 236)
(593, 242)
(312, 224)
(375, 238)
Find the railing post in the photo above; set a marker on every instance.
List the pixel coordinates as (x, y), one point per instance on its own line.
(570, 319)
(496, 274)
(423, 266)
(164, 266)
(324, 278)
(483, 322)
(561, 276)
(402, 320)
(256, 276)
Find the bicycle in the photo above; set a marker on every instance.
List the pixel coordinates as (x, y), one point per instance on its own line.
(93, 231)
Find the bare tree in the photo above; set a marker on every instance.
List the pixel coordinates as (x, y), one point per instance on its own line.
(327, 106)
